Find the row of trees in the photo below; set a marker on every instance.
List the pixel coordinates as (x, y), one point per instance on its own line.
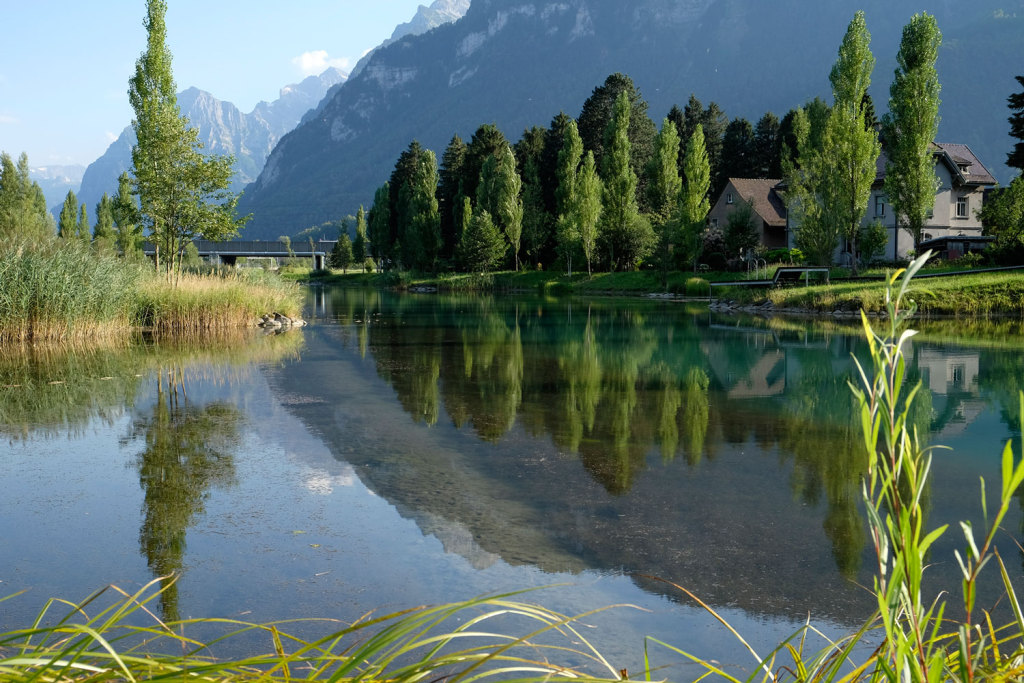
(608, 189)
(611, 190)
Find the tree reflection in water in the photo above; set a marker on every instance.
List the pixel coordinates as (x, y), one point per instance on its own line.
(189, 450)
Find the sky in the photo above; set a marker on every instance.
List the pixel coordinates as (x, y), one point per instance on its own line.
(65, 64)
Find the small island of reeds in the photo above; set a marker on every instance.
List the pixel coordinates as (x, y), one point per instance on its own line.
(64, 290)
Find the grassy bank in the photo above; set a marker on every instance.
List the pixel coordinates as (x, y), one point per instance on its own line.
(626, 283)
(971, 294)
(65, 291)
(976, 294)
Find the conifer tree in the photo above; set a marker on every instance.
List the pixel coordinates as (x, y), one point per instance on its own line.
(1015, 159)
(82, 229)
(449, 190)
(767, 147)
(23, 210)
(125, 213)
(67, 223)
(482, 246)
(738, 151)
(910, 127)
(103, 231)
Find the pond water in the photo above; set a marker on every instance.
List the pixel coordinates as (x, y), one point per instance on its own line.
(407, 449)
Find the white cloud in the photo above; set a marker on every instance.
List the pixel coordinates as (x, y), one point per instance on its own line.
(316, 62)
(8, 120)
(111, 137)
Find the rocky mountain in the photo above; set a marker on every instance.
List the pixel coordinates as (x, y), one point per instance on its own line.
(223, 129)
(426, 19)
(517, 63)
(55, 181)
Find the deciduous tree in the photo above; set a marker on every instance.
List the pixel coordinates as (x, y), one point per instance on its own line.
(628, 238)
(694, 203)
(359, 243)
(911, 125)
(850, 148)
(183, 194)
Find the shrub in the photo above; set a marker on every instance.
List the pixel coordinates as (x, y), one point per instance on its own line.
(697, 286)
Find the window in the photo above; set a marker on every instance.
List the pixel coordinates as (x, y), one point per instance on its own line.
(961, 207)
(728, 198)
(714, 222)
(880, 206)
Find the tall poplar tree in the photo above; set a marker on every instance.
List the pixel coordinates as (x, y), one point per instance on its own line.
(588, 208)
(359, 243)
(663, 188)
(815, 236)
(182, 193)
(628, 238)
(421, 243)
(506, 204)
(694, 202)
(910, 127)
(380, 226)
(850, 147)
(565, 193)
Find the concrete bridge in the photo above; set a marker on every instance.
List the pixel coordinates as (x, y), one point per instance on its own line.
(228, 253)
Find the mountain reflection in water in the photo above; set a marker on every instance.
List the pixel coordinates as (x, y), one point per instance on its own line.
(638, 437)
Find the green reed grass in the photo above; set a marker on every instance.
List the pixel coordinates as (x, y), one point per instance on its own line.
(122, 639)
(197, 303)
(63, 290)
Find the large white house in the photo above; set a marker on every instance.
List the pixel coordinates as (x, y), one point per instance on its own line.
(963, 180)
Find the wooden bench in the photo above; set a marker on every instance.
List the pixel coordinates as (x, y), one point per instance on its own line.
(792, 274)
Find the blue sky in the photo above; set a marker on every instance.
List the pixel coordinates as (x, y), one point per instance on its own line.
(65, 64)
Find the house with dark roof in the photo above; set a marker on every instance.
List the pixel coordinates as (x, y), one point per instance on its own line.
(769, 209)
(963, 181)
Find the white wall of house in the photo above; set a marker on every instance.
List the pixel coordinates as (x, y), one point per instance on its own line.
(955, 212)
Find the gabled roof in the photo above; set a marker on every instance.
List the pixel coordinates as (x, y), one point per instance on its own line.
(961, 155)
(767, 202)
(954, 156)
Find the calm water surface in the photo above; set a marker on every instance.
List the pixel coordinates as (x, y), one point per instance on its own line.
(404, 450)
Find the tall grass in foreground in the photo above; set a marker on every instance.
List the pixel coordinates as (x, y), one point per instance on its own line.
(907, 640)
(62, 290)
(465, 641)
